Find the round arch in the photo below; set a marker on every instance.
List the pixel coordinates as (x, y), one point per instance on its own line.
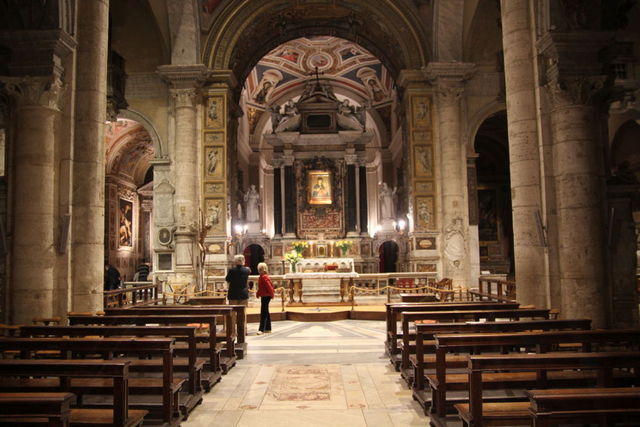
(158, 145)
(396, 36)
(478, 119)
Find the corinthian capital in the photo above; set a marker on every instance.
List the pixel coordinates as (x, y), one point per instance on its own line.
(35, 91)
(185, 98)
(578, 90)
(448, 79)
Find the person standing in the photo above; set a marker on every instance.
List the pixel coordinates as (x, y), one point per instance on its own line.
(238, 293)
(266, 293)
(111, 277)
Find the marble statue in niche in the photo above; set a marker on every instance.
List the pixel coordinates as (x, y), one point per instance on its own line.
(252, 204)
(387, 204)
(454, 246)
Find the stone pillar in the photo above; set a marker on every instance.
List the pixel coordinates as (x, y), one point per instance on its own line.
(89, 156)
(576, 89)
(449, 80)
(184, 84)
(186, 177)
(33, 257)
(524, 156)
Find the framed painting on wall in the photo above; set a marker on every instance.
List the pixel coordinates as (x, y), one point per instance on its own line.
(319, 187)
(125, 230)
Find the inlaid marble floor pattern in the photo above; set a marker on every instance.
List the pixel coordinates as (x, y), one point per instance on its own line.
(312, 374)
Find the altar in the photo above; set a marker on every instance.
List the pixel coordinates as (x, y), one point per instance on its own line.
(317, 285)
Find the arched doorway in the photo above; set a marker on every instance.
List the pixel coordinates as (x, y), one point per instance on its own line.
(493, 196)
(253, 255)
(388, 253)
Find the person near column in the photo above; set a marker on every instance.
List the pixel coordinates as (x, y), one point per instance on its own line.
(238, 293)
(266, 293)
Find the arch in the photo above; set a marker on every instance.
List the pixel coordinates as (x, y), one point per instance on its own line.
(159, 147)
(396, 36)
(253, 255)
(479, 118)
(389, 253)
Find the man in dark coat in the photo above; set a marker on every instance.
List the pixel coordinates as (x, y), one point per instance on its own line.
(238, 293)
(111, 277)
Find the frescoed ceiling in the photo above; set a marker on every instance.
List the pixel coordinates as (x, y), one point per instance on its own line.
(289, 66)
(129, 150)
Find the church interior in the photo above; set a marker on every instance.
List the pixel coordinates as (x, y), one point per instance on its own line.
(442, 197)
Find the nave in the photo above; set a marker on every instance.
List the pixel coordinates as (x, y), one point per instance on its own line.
(309, 374)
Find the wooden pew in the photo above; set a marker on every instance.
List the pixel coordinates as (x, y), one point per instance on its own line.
(423, 360)
(393, 310)
(117, 371)
(408, 318)
(51, 409)
(478, 413)
(418, 298)
(209, 350)
(198, 380)
(167, 386)
(606, 405)
(540, 341)
(237, 350)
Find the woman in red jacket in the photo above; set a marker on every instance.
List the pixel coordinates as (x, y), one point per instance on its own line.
(265, 293)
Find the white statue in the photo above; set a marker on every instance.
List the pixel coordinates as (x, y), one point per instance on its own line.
(387, 205)
(454, 246)
(252, 203)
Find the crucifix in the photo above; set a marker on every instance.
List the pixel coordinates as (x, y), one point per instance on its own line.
(317, 73)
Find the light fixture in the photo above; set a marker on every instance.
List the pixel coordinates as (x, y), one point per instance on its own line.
(402, 224)
(238, 228)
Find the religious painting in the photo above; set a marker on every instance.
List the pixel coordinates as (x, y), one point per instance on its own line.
(319, 187)
(125, 231)
(215, 215)
(365, 248)
(424, 211)
(214, 112)
(423, 160)
(165, 236)
(214, 188)
(421, 111)
(488, 215)
(277, 251)
(422, 187)
(214, 162)
(289, 54)
(214, 138)
(322, 250)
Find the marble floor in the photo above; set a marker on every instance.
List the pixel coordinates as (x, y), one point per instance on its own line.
(312, 374)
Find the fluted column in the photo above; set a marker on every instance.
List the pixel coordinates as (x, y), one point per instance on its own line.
(449, 80)
(89, 156)
(33, 254)
(524, 157)
(186, 173)
(576, 90)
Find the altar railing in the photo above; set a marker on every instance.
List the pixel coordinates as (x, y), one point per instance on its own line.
(492, 288)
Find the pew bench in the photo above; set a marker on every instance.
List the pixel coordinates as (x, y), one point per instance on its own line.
(198, 379)
(393, 310)
(408, 347)
(233, 314)
(552, 407)
(115, 373)
(479, 413)
(159, 396)
(425, 358)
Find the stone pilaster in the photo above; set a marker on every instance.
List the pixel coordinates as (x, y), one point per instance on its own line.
(33, 256)
(449, 81)
(524, 156)
(576, 88)
(89, 155)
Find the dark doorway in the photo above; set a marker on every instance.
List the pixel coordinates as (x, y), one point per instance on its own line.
(253, 255)
(388, 257)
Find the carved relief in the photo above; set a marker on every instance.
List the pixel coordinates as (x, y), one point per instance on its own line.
(424, 187)
(454, 242)
(215, 112)
(425, 219)
(214, 188)
(423, 161)
(214, 162)
(214, 138)
(215, 215)
(421, 111)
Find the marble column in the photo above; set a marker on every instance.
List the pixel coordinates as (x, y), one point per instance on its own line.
(576, 89)
(524, 156)
(186, 177)
(87, 249)
(33, 257)
(449, 81)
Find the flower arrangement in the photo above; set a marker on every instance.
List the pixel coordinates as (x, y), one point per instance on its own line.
(293, 258)
(344, 246)
(300, 246)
